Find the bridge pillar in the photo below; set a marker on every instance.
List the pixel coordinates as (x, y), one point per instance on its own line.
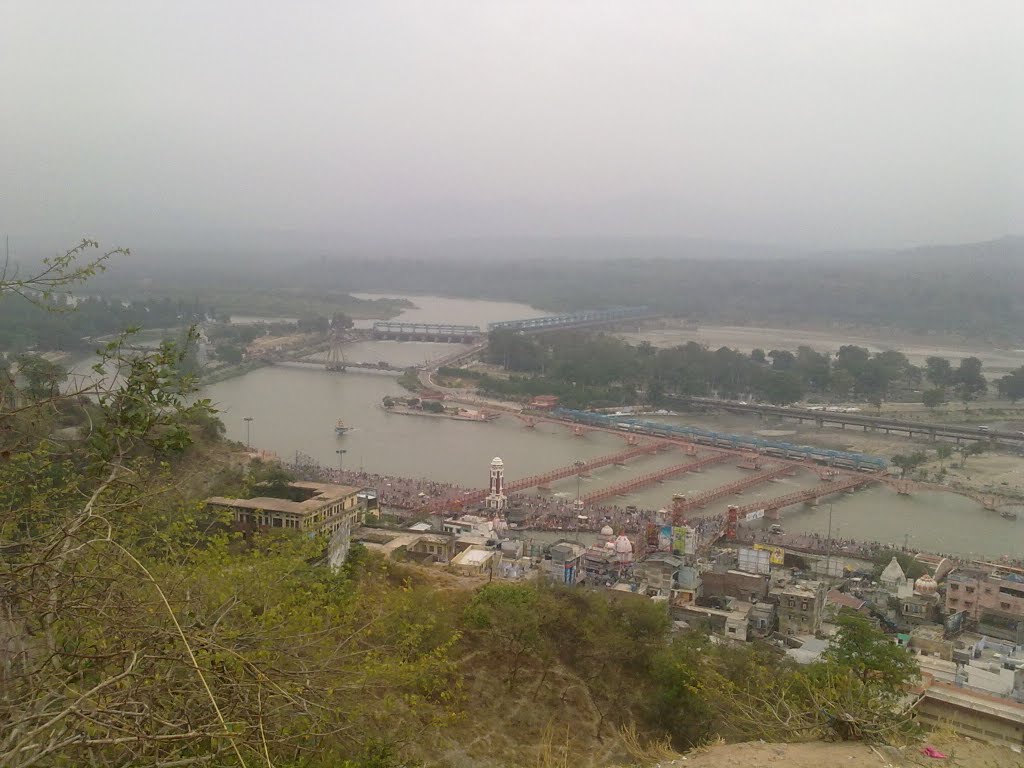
(820, 423)
(865, 427)
(931, 434)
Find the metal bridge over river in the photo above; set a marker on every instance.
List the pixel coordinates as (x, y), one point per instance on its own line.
(468, 334)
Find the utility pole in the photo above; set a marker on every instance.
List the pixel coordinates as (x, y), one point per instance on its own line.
(828, 545)
(341, 455)
(248, 432)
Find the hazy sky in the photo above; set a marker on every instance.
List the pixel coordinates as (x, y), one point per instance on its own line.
(818, 123)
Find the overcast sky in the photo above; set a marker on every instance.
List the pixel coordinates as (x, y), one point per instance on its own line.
(848, 124)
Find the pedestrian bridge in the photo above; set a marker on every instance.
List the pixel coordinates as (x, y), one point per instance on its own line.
(443, 332)
(468, 334)
(573, 319)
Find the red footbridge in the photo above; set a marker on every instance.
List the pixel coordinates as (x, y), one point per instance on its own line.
(772, 507)
(551, 476)
(621, 489)
(704, 498)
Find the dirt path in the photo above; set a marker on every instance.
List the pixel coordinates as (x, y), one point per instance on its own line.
(960, 752)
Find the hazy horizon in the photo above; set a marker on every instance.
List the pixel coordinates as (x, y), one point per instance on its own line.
(791, 126)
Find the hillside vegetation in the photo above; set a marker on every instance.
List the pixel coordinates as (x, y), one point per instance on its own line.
(136, 628)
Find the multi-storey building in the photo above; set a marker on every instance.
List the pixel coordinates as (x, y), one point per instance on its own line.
(801, 604)
(993, 601)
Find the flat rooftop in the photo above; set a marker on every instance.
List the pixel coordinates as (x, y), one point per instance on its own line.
(321, 495)
(474, 557)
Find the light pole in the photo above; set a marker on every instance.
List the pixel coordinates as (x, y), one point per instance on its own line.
(828, 545)
(248, 431)
(341, 455)
(578, 506)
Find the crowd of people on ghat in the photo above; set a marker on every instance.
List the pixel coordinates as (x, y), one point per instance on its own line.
(406, 496)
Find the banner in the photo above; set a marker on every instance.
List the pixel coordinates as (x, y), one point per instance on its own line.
(757, 514)
(778, 554)
(679, 540)
(665, 539)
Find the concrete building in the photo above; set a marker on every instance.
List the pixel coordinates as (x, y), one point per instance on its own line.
(313, 507)
(738, 584)
(981, 716)
(468, 525)
(731, 621)
(992, 601)
(801, 606)
(660, 572)
(762, 619)
(565, 565)
(476, 562)
(324, 508)
(422, 546)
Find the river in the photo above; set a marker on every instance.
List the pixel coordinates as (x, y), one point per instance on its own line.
(294, 408)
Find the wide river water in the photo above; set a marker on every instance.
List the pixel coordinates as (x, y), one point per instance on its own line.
(294, 408)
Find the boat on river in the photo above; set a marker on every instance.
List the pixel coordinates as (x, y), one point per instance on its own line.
(340, 428)
(1009, 514)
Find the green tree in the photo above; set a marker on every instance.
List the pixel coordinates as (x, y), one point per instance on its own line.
(943, 452)
(939, 371)
(969, 380)
(229, 353)
(933, 398)
(341, 322)
(1011, 386)
(870, 656)
(512, 617)
(43, 378)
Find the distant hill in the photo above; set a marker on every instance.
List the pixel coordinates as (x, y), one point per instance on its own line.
(971, 289)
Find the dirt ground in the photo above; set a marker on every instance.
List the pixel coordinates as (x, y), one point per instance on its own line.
(960, 752)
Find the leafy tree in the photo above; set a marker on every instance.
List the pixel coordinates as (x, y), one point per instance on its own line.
(1011, 386)
(933, 398)
(758, 356)
(341, 322)
(229, 353)
(43, 378)
(512, 616)
(869, 655)
(939, 371)
(969, 381)
(782, 360)
(943, 452)
(781, 388)
(909, 462)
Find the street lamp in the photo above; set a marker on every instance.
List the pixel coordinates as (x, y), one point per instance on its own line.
(341, 455)
(248, 431)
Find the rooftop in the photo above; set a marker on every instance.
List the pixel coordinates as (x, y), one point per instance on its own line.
(320, 495)
(473, 557)
(844, 600)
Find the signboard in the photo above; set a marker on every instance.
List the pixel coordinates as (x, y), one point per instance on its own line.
(570, 574)
(778, 554)
(679, 539)
(757, 514)
(831, 568)
(665, 539)
(754, 560)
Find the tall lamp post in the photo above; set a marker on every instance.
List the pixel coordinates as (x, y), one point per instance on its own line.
(248, 432)
(341, 455)
(578, 506)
